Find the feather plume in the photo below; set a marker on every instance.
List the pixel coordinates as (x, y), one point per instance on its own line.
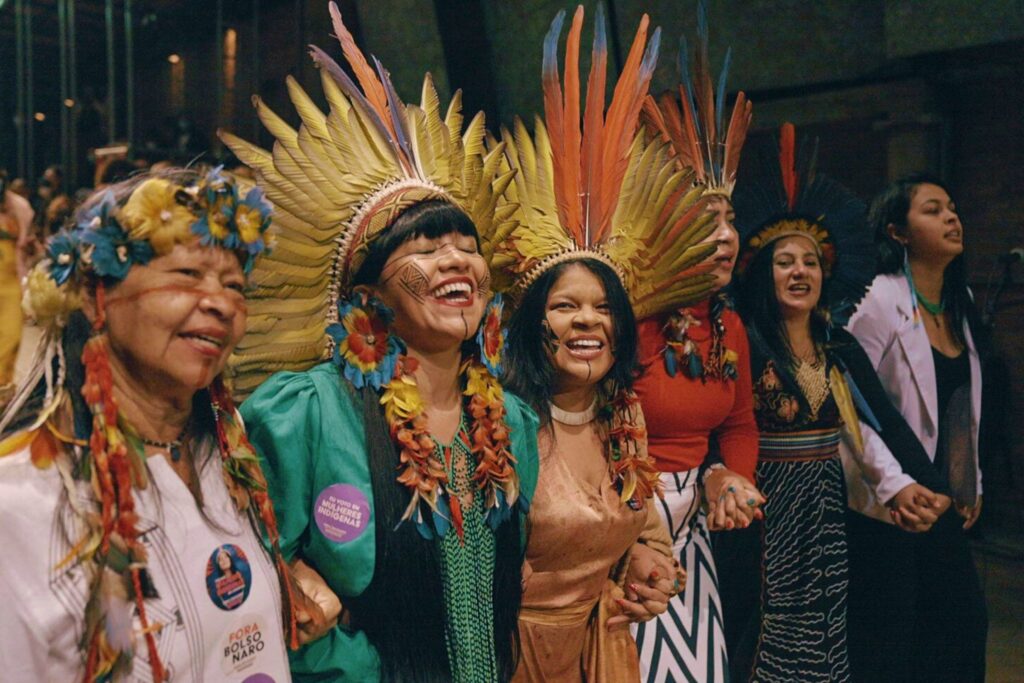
(787, 163)
(631, 193)
(372, 87)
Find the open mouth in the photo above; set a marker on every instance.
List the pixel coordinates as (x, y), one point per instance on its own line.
(955, 234)
(454, 292)
(206, 343)
(725, 259)
(799, 289)
(585, 348)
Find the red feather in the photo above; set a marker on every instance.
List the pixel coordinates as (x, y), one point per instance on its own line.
(593, 128)
(571, 161)
(365, 74)
(620, 128)
(737, 135)
(787, 162)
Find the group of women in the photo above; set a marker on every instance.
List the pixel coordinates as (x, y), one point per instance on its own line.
(409, 492)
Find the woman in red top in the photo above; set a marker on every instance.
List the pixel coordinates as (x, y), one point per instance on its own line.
(696, 395)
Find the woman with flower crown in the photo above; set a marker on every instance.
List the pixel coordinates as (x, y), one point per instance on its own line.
(126, 470)
(602, 217)
(696, 389)
(400, 468)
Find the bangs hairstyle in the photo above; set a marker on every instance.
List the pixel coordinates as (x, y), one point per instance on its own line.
(530, 374)
(430, 219)
(890, 207)
(403, 609)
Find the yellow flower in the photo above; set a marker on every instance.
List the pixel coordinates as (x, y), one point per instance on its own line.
(481, 383)
(401, 399)
(44, 300)
(152, 213)
(249, 221)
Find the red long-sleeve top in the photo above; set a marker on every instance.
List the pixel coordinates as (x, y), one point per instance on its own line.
(682, 413)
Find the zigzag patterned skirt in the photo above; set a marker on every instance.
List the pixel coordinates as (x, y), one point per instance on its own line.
(686, 643)
(804, 560)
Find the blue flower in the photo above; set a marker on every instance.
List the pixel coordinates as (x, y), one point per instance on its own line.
(364, 347)
(62, 249)
(113, 254)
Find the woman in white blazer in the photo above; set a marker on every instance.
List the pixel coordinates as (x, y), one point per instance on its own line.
(917, 612)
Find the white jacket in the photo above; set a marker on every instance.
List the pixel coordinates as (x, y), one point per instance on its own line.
(884, 325)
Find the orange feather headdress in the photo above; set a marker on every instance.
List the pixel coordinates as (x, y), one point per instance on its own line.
(587, 185)
(693, 124)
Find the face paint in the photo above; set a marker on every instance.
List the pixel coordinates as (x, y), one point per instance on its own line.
(551, 340)
(414, 281)
(432, 285)
(484, 286)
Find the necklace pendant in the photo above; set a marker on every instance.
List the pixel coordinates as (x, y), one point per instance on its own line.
(175, 453)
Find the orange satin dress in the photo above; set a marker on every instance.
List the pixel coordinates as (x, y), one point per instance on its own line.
(579, 534)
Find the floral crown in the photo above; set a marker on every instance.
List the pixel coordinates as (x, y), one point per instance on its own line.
(111, 237)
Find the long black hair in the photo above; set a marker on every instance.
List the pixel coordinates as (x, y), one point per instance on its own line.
(529, 371)
(890, 207)
(758, 306)
(402, 611)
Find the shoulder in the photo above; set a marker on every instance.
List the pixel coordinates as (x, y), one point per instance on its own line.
(885, 290)
(518, 413)
(523, 425)
(295, 392)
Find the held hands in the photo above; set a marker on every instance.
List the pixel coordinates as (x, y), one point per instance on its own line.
(651, 581)
(733, 502)
(916, 508)
(317, 608)
(969, 513)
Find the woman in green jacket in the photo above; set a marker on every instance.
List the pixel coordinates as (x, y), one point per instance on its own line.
(375, 302)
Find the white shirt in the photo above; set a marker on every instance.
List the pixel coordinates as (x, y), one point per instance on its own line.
(216, 626)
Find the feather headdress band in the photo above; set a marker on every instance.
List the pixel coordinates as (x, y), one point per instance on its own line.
(338, 183)
(790, 199)
(587, 185)
(694, 123)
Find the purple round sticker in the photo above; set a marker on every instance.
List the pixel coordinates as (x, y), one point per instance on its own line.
(341, 512)
(259, 678)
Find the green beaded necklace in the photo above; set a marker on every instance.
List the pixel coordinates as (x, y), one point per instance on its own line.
(933, 308)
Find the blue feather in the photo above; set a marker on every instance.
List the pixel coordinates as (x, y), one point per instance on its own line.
(441, 516)
(670, 361)
(394, 104)
(687, 79)
(651, 55)
(863, 408)
(720, 96)
(695, 369)
(551, 45)
(600, 31)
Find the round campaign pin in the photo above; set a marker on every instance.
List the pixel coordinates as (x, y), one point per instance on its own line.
(228, 577)
(342, 513)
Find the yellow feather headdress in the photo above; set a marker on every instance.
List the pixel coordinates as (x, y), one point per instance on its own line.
(595, 189)
(337, 184)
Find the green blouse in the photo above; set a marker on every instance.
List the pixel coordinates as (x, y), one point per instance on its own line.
(313, 448)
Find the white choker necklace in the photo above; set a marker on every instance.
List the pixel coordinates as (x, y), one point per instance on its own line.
(573, 419)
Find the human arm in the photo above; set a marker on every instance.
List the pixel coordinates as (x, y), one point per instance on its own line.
(737, 435)
(287, 420)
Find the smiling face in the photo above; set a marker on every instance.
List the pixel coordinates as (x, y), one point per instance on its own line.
(580, 329)
(725, 237)
(933, 233)
(796, 271)
(224, 561)
(436, 288)
(173, 322)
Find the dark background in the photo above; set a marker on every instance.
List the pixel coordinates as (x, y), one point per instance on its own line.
(888, 86)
